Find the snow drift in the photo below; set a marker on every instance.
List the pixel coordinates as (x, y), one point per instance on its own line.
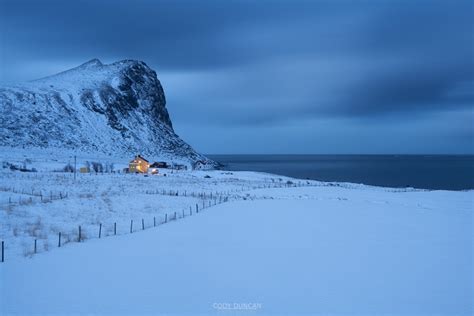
(325, 250)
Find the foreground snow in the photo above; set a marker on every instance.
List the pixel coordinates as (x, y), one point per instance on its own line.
(312, 250)
(40, 205)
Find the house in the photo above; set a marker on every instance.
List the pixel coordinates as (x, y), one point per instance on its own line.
(138, 165)
(84, 170)
(200, 164)
(159, 164)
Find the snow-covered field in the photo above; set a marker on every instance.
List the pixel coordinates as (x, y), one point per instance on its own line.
(264, 244)
(39, 206)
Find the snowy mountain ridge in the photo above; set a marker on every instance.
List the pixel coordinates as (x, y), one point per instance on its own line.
(117, 109)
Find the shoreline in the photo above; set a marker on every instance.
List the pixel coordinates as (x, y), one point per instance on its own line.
(433, 172)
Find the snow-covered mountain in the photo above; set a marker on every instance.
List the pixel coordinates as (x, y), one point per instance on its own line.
(116, 109)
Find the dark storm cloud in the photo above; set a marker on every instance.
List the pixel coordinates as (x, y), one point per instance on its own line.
(178, 34)
(434, 40)
(263, 63)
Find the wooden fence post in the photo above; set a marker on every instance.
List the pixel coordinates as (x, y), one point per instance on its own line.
(80, 233)
(183, 213)
(3, 251)
(143, 224)
(190, 211)
(59, 239)
(197, 209)
(174, 215)
(100, 229)
(131, 226)
(154, 221)
(35, 245)
(166, 217)
(115, 228)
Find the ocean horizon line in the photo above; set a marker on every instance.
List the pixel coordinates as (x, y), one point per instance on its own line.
(372, 154)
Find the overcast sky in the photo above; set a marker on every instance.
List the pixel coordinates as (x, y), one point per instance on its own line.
(273, 76)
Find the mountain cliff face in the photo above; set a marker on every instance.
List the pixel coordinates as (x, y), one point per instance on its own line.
(116, 109)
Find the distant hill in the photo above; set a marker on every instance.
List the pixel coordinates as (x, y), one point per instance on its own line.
(117, 109)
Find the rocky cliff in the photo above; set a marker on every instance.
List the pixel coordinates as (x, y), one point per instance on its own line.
(117, 109)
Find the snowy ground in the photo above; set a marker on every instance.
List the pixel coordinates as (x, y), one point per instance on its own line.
(38, 206)
(312, 250)
(263, 244)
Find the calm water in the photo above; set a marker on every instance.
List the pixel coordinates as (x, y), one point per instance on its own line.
(428, 172)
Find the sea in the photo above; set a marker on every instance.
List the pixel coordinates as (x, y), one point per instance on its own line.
(433, 172)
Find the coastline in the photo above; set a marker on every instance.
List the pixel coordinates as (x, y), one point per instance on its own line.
(432, 172)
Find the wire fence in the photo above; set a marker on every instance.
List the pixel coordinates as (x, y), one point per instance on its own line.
(102, 230)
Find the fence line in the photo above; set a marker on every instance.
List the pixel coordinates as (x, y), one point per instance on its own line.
(217, 198)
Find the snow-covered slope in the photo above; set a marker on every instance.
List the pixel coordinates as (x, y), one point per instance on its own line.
(114, 109)
(325, 250)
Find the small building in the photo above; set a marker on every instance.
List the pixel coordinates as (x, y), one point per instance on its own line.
(200, 164)
(159, 164)
(138, 165)
(179, 167)
(84, 170)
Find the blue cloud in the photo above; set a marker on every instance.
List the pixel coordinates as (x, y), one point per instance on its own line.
(267, 64)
